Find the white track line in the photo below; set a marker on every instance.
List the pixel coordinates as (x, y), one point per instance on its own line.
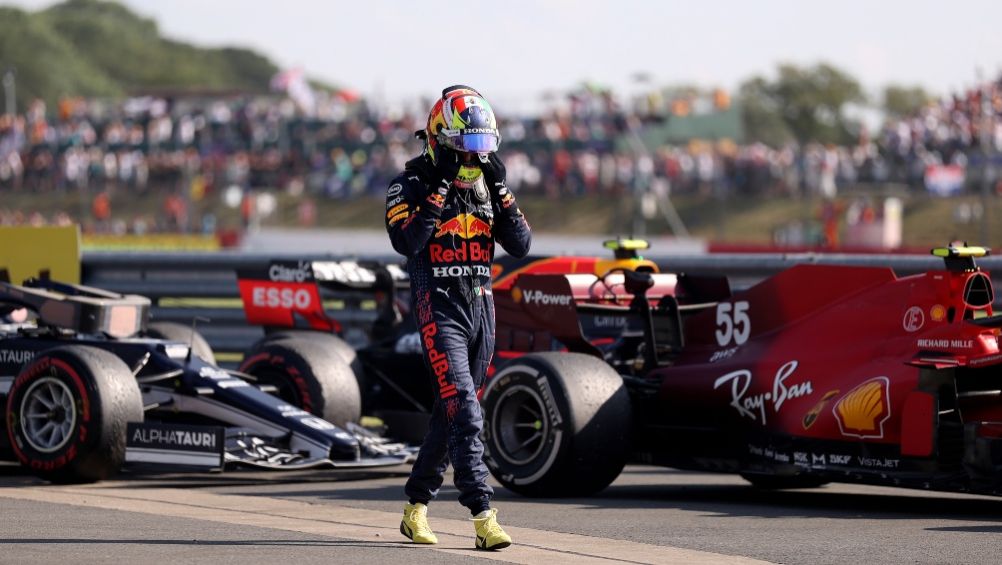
(531, 546)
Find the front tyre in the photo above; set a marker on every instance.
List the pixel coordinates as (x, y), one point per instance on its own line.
(67, 414)
(556, 424)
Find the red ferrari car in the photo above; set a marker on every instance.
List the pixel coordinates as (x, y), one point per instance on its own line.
(817, 374)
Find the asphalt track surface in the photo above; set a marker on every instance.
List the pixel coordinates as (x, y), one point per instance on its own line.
(649, 515)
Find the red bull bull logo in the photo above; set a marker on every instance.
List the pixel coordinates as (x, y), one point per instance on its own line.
(466, 226)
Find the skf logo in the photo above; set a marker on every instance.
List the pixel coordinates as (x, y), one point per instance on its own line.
(466, 226)
(863, 410)
(812, 414)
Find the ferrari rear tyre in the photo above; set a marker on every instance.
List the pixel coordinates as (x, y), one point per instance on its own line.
(556, 424)
(67, 414)
(172, 331)
(308, 375)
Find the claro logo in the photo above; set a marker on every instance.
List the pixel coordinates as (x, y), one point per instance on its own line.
(541, 298)
(299, 273)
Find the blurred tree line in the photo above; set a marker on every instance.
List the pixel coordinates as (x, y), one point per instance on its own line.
(94, 48)
(814, 104)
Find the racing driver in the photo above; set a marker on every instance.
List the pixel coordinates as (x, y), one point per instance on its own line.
(444, 213)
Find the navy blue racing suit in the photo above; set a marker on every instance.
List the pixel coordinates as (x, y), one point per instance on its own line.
(448, 238)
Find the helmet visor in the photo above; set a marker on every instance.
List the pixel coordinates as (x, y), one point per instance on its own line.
(484, 140)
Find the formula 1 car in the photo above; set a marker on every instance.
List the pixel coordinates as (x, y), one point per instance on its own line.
(817, 374)
(287, 298)
(82, 395)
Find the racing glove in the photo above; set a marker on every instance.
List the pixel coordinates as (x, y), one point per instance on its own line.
(447, 165)
(440, 177)
(494, 173)
(494, 176)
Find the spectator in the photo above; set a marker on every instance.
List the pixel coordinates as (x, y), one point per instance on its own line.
(584, 144)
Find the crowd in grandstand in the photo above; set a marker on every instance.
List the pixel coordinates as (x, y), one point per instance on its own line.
(347, 149)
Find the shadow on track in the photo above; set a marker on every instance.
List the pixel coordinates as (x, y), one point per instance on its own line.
(741, 500)
(735, 500)
(157, 477)
(970, 529)
(258, 543)
(251, 478)
(660, 488)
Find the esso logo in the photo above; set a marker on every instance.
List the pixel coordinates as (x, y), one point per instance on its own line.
(271, 297)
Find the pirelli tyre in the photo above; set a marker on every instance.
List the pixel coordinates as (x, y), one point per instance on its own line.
(325, 339)
(171, 331)
(67, 414)
(556, 424)
(307, 375)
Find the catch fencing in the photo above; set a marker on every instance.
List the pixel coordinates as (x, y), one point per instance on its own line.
(183, 286)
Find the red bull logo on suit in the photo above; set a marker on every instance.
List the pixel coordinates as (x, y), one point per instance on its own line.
(465, 251)
(439, 363)
(466, 226)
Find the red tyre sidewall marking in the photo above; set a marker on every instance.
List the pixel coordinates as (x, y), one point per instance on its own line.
(38, 367)
(248, 363)
(298, 380)
(277, 361)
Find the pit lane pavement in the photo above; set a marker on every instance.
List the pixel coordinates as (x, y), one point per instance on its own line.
(649, 515)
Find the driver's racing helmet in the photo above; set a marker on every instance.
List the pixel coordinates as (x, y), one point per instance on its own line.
(464, 121)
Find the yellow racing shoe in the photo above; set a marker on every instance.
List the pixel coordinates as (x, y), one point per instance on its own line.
(489, 533)
(415, 524)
